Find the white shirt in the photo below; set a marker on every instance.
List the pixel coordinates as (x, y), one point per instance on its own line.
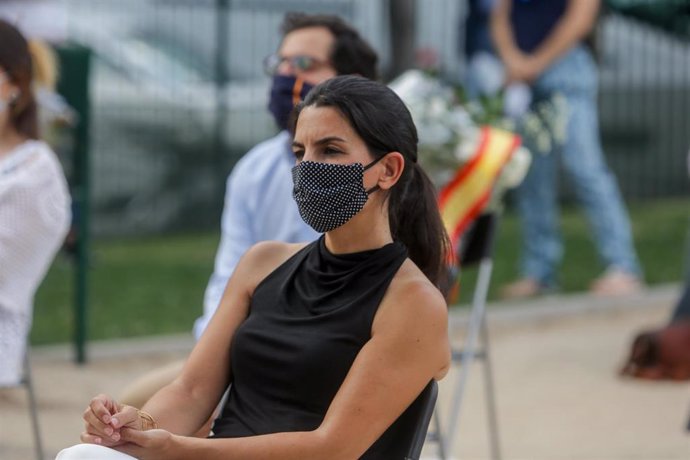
(258, 207)
(34, 219)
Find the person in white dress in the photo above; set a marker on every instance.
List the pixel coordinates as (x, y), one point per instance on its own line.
(34, 202)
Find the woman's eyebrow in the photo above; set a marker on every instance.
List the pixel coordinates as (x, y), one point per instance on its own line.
(322, 141)
(326, 140)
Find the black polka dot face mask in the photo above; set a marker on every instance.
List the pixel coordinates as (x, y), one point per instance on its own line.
(329, 195)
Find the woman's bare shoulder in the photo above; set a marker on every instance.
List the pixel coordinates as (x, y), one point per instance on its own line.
(411, 296)
(411, 283)
(274, 250)
(263, 258)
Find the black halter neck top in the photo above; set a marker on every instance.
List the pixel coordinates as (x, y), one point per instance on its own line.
(308, 321)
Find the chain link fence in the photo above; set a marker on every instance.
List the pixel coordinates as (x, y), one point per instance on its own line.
(178, 95)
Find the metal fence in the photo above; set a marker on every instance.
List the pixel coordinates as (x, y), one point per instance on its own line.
(178, 96)
(645, 106)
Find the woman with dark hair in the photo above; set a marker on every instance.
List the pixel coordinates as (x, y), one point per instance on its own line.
(34, 202)
(323, 345)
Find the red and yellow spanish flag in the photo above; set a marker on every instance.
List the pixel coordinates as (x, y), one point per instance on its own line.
(464, 197)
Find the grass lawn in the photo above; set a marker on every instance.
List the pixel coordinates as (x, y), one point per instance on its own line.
(138, 286)
(660, 231)
(155, 285)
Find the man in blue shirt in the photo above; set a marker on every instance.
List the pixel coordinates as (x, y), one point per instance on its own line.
(258, 200)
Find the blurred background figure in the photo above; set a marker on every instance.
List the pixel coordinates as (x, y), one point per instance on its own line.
(34, 201)
(541, 43)
(484, 74)
(43, 23)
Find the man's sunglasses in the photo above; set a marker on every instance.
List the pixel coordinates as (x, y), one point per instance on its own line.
(297, 63)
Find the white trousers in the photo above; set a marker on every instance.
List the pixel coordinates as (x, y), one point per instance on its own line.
(91, 452)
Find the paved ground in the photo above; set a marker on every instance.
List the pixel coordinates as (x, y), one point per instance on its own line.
(555, 362)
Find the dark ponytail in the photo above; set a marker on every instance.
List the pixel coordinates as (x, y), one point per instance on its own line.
(16, 62)
(416, 222)
(385, 125)
(24, 115)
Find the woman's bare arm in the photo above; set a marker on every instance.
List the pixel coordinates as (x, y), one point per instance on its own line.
(577, 22)
(184, 405)
(502, 31)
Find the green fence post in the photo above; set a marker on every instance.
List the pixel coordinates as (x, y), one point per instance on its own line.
(221, 80)
(74, 87)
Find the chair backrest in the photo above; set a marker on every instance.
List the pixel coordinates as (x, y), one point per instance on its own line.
(478, 241)
(423, 406)
(405, 437)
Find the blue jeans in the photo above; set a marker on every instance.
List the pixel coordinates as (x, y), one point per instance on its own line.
(574, 77)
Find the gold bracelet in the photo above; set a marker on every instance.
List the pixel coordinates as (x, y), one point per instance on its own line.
(147, 421)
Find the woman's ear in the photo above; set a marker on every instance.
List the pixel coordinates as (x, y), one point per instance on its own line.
(392, 166)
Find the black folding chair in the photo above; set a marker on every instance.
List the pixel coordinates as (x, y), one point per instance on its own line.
(476, 249)
(405, 438)
(423, 406)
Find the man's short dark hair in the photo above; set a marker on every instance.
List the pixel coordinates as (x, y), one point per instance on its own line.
(351, 54)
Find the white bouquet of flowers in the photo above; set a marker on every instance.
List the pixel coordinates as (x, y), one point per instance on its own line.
(541, 122)
(448, 134)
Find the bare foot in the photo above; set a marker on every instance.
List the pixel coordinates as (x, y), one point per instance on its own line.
(521, 289)
(616, 282)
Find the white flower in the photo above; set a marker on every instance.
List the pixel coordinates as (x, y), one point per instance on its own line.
(448, 134)
(545, 125)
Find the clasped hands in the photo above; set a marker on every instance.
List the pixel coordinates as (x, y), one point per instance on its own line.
(522, 67)
(126, 429)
